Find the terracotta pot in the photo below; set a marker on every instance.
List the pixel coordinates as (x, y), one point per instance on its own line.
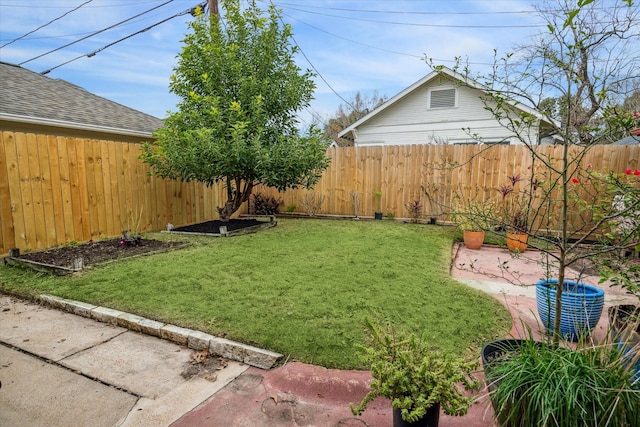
(517, 242)
(473, 239)
(635, 132)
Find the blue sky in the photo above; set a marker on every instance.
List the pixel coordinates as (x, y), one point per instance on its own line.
(353, 45)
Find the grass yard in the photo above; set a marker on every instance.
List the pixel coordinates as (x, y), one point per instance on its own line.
(302, 288)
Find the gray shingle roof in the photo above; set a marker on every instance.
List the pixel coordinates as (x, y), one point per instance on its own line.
(630, 140)
(28, 94)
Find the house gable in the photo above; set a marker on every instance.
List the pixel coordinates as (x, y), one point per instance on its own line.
(436, 109)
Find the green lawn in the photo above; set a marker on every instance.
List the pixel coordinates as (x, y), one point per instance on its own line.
(302, 288)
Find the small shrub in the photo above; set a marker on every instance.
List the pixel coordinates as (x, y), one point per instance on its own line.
(265, 205)
(391, 215)
(414, 376)
(415, 210)
(290, 208)
(355, 200)
(312, 203)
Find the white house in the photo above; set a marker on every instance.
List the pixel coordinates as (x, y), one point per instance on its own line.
(442, 107)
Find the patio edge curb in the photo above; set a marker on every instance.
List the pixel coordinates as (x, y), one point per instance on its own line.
(196, 340)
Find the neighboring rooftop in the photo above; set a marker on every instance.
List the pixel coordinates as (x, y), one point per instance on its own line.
(630, 140)
(26, 95)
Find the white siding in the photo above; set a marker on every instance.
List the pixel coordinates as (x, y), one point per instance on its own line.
(410, 121)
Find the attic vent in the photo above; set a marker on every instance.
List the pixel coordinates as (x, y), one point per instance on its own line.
(443, 98)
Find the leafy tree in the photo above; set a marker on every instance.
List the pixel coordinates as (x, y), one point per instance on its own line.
(240, 90)
(348, 114)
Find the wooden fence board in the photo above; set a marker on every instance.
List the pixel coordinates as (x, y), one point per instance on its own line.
(26, 191)
(46, 186)
(7, 228)
(56, 181)
(66, 204)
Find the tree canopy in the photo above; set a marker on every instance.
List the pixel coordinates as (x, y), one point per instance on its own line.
(240, 90)
(348, 114)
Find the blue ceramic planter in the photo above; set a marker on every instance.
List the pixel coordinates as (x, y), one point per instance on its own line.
(581, 307)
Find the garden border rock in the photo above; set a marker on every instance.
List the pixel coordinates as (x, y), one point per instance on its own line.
(195, 340)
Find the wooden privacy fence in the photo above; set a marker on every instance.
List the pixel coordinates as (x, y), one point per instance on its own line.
(408, 172)
(56, 189)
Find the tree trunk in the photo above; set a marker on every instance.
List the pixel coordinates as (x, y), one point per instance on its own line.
(235, 198)
(226, 211)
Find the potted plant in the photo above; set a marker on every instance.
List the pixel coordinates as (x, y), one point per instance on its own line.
(514, 212)
(417, 379)
(534, 383)
(517, 234)
(378, 202)
(473, 217)
(582, 306)
(433, 194)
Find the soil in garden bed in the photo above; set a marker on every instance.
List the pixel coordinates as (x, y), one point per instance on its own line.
(213, 227)
(96, 252)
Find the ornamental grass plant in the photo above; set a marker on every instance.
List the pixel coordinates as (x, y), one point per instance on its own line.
(549, 385)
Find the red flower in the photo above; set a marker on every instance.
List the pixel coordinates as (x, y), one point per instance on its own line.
(636, 172)
(575, 180)
(628, 171)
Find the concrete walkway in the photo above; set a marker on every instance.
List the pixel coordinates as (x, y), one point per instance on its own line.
(62, 369)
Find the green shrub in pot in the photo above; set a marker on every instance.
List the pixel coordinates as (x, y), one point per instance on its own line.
(414, 376)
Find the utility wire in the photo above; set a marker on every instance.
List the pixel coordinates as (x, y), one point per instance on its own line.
(97, 32)
(321, 76)
(400, 12)
(351, 40)
(95, 52)
(44, 25)
(417, 24)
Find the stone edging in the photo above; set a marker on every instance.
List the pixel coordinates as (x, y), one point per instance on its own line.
(195, 340)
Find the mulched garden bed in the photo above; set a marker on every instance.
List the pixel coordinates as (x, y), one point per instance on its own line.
(92, 253)
(234, 227)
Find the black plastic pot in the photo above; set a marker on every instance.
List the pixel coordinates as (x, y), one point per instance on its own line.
(377, 215)
(492, 354)
(430, 419)
(622, 319)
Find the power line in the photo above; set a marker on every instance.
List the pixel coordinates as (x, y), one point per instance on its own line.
(399, 12)
(95, 33)
(418, 24)
(321, 76)
(44, 25)
(126, 4)
(350, 40)
(95, 52)
(377, 47)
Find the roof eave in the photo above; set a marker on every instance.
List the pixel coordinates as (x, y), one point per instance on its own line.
(72, 125)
